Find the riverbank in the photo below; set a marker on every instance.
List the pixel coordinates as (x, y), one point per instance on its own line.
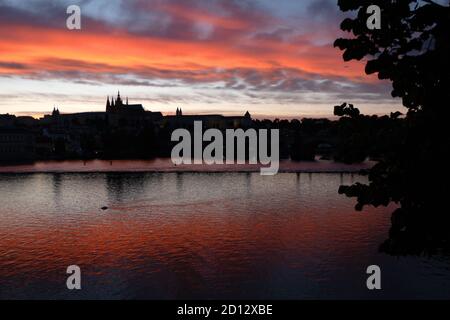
(165, 165)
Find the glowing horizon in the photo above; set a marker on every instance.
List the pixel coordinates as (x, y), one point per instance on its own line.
(205, 57)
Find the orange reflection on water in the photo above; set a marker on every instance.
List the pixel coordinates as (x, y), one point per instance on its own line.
(223, 235)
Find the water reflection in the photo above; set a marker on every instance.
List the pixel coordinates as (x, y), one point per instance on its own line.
(56, 187)
(199, 235)
(179, 182)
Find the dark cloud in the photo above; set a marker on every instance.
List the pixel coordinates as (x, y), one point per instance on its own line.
(12, 65)
(168, 19)
(247, 80)
(279, 34)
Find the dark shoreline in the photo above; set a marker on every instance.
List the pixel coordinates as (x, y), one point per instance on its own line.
(167, 171)
(163, 165)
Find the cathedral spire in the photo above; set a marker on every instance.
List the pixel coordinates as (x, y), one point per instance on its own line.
(119, 99)
(55, 111)
(108, 105)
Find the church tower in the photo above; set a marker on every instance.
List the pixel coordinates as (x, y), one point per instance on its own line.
(108, 105)
(119, 100)
(55, 112)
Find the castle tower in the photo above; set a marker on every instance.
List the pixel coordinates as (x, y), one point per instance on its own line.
(118, 100)
(55, 112)
(108, 105)
(247, 121)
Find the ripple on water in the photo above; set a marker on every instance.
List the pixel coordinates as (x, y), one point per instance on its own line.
(204, 235)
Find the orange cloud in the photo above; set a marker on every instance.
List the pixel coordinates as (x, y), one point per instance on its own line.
(119, 52)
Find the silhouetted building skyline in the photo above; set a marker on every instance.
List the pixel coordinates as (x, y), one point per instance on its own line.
(117, 105)
(62, 135)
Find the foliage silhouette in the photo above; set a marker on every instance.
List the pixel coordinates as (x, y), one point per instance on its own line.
(412, 51)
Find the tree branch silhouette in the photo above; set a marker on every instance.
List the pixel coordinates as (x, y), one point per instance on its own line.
(411, 50)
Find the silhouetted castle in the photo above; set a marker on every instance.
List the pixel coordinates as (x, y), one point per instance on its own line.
(209, 120)
(117, 105)
(123, 114)
(116, 110)
(97, 134)
(55, 112)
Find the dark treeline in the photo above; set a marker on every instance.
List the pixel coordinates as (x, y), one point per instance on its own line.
(349, 139)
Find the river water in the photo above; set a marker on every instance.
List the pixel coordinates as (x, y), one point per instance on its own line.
(206, 235)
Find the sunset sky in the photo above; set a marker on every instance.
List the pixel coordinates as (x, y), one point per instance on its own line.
(273, 58)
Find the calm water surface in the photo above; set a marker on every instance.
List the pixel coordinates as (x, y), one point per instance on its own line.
(166, 165)
(199, 235)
